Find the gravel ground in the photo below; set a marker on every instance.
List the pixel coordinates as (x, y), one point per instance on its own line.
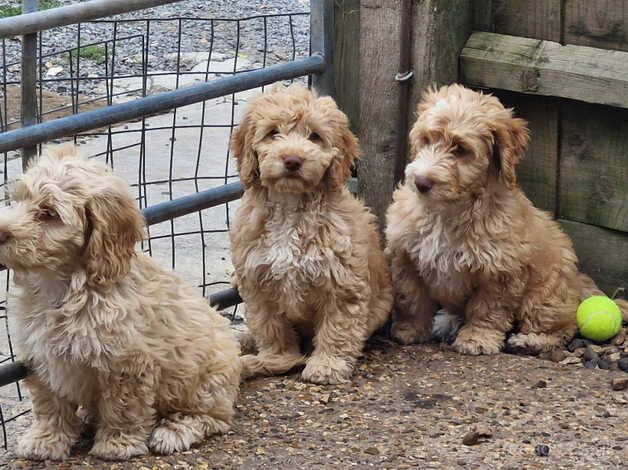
(413, 408)
(285, 37)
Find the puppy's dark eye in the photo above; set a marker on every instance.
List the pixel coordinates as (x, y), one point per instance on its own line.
(47, 215)
(272, 134)
(314, 137)
(459, 151)
(425, 141)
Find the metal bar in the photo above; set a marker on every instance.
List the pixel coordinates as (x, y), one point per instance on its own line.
(46, 19)
(12, 372)
(29, 82)
(321, 42)
(74, 124)
(225, 298)
(192, 203)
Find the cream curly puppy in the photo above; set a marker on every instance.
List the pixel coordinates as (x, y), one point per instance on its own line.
(100, 325)
(462, 236)
(307, 256)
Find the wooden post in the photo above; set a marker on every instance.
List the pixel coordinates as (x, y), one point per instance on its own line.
(441, 28)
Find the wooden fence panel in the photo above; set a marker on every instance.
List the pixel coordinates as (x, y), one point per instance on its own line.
(538, 19)
(594, 165)
(597, 23)
(537, 172)
(602, 254)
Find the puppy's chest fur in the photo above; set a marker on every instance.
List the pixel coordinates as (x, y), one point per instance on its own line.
(298, 252)
(60, 339)
(450, 267)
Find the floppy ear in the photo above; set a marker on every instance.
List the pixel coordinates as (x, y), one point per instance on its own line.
(242, 149)
(115, 225)
(348, 151)
(511, 137)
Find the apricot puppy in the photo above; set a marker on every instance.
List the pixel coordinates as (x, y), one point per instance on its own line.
(307, 256)
(462, 236)
(101, 326)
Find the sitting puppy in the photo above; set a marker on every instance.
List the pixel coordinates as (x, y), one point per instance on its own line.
(100, 325)
(307, 255)
(461, 235)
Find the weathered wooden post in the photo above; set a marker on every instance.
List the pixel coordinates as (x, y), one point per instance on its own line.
(368, 48)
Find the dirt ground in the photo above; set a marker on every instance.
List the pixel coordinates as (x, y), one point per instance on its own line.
(411, 408)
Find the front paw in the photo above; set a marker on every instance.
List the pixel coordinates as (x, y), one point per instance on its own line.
(44, 444)
(324, 370)
(120, 447)
(475, 341)
(406, 332)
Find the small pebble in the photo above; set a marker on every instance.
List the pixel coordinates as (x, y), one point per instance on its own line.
(557, 355)
(623, 364)
(589, 355)
(540, 384)
(577, 343)
(604, 364)
(619, 383)
(541, 450)
(592, 364)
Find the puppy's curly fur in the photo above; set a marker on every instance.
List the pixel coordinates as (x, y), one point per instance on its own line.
(462, 235)
(307, 255)
(100, 325)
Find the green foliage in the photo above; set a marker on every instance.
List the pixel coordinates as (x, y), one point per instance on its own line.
(96, 53)
(8, 10)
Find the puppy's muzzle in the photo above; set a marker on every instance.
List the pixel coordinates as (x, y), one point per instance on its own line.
(423, 183)
(292, 163)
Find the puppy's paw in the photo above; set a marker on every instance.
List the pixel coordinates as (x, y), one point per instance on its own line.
(405, 332)
(251, 366)
(170, 437)
(44, 444)
(533, 343)
(475, 341)
(321, 369)
(120, 447)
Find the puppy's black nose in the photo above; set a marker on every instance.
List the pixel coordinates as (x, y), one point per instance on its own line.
(4, 237)
(423, 183)
(292, 163)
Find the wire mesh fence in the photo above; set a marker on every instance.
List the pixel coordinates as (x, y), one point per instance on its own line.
(90, 65)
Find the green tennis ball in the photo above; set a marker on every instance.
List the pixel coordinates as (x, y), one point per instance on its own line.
(598, 318)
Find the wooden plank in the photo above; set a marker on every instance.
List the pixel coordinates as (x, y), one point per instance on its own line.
(594, 165)
(347, 58)
(598, 23)
(441, 29)
(539, 19)
(378, 94)
(546, 68)
(603, 254)
(537, 172)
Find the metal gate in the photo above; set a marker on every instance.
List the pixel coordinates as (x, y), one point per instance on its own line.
(35, 129)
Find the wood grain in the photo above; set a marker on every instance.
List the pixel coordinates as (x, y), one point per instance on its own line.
(603, 254)
(594, 165)
(537, 172)
(598, 23)
(546, 68)
(378, 93)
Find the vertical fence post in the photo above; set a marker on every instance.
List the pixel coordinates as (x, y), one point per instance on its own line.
(321, 40)
(29, 81)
